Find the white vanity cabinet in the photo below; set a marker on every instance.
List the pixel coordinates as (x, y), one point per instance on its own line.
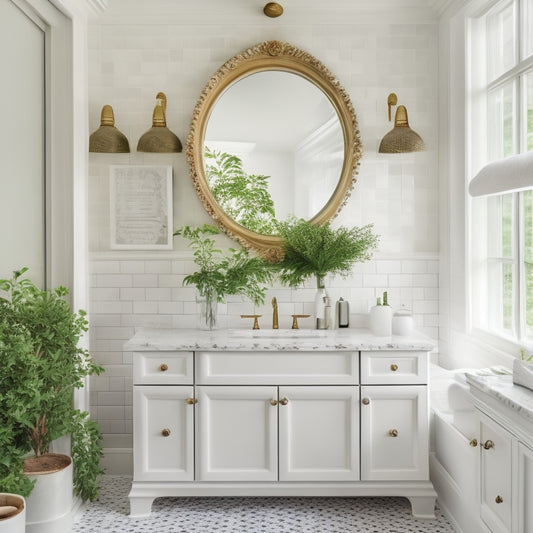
(214, 416)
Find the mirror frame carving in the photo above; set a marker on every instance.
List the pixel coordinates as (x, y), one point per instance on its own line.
(279, 56)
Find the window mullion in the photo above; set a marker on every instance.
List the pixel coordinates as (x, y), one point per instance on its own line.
(519, 288)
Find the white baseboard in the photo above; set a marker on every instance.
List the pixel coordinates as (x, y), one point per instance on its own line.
(117, 461)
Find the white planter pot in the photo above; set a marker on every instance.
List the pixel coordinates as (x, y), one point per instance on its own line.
(14, 523)
(49, 505)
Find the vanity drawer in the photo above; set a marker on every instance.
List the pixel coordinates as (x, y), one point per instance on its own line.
(393, 367)
(163, 368)
(277, 368)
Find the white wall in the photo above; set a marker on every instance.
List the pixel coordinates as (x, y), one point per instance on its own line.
(138, 48)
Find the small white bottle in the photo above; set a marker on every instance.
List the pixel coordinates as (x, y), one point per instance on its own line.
(381, 318)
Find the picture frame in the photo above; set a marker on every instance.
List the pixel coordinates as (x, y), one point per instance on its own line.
(141, 214)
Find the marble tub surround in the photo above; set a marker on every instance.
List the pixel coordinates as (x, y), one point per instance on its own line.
(500, 389)
(162, 339)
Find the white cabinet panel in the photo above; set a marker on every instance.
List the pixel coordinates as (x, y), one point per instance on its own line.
(163, 368)
(394, 433)
(236, 433)
(393, 368)
(163, 433)
(496, 467)
(319, 433)
(280, 368)
(525, 489)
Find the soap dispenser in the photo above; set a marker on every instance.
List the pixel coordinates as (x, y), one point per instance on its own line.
(342, 313)
(381, 318)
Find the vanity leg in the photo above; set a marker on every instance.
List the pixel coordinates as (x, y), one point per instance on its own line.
(140, 506)
(423, 507)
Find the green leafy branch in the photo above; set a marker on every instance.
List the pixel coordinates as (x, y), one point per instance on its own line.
(219, 275)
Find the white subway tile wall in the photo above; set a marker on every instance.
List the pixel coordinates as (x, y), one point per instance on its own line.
(134, 57)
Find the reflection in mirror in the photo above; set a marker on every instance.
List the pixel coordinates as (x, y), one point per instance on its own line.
(274, 147)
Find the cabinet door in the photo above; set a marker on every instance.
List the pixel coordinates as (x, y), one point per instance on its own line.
(236, 433)
(163, 433)
(525, 489)
(394, 433)
(319, 433)
(496, 485)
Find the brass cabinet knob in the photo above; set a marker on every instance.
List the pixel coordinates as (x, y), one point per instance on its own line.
(365, 401)
(163, 367)
(488, 445)
(273, 402)
(165, 432)
(473, 443)
(498, 499)
(284, 401)
(393, 432)
(191, 401)
(394, 367)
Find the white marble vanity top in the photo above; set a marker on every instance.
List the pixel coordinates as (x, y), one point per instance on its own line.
(502, 388)
(148, 339)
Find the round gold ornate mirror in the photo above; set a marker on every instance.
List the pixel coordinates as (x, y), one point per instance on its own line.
(274, 125)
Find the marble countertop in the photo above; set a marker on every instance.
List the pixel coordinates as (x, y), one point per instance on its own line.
(502, 388)
(149, 339)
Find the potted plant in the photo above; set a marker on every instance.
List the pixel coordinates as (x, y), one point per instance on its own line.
(311, 250)
(41, 364)
(220, 274)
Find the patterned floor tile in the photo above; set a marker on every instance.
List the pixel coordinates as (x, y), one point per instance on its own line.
(252, 515)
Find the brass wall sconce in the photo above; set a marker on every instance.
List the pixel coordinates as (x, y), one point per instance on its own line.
(273, 10)
(159, 138)
(107, 138)
(401, 139)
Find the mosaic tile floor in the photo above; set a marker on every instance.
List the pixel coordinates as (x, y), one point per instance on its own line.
(252, 515)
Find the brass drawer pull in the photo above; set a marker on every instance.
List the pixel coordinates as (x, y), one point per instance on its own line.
(473, 443)
(163, 367)
(498, 499)
(394, 367)
(191, 401)
(284, 401)
(393, 432)
(273, 402)
(165, 432)
(488, 445)
(365, 401)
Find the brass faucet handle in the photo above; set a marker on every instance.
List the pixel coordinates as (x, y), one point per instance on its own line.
(255, 317)
(295, 320)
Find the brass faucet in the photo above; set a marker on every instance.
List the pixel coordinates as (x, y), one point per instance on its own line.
(275, 324)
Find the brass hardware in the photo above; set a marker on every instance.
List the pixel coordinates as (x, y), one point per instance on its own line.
(394, 367)
(393, 432)
(473, 443)
(163, 367)
(401, 139)
(273, 402)
(165, 432)
(365, 401)
(255, 317)
(107, 138)
(191, 401)
(284, 401)
(261, 57)
(488, 445)
(273, 10)
(295, 320)
(159, 138)
(498, 499)
(275, 323)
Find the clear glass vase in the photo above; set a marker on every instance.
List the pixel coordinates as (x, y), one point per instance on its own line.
(208, 311)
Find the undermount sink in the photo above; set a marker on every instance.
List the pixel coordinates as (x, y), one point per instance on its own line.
(277, 333)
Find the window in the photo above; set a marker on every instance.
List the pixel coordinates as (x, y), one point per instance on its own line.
(505, 268)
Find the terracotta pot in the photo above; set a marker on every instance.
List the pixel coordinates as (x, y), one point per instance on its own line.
(13, 517)
(49, 505)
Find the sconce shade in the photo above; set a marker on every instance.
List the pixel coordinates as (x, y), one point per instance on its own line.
(159, 138)
(107, 138)
(401, 139)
